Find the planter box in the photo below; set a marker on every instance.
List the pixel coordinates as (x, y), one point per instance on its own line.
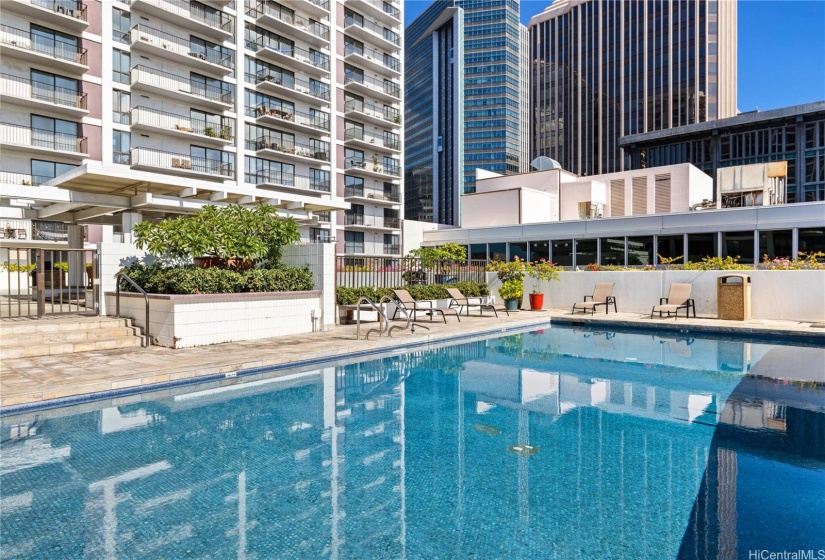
(183, 321)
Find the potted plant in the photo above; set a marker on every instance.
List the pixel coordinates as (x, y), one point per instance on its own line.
(511, 291)
(209, 131)
(540, 271)
(227, 236)
(511, 275)
(375, 163)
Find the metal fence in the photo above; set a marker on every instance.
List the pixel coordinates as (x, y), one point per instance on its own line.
(38, 282)
(390, 272)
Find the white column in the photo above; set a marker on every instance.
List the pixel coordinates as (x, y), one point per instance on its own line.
(129, 220)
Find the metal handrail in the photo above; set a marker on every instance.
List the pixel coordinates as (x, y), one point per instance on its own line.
(410, 324)
(365, 299)
(124, 276)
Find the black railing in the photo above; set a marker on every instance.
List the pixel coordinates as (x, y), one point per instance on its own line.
(385, 272)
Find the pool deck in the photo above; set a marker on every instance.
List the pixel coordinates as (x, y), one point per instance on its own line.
(32, 381)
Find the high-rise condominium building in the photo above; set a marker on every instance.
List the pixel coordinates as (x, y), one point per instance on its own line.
(482, 90)
(145, 108)
(602, 69)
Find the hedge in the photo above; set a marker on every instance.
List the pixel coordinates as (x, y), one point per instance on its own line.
(156, 279)
(350, 296)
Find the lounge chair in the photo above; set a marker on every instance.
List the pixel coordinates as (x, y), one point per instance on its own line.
(678, 297)
(602, 295)
(405, 301)
(460, 300)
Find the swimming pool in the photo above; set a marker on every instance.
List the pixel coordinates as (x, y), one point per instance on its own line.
(557, 443)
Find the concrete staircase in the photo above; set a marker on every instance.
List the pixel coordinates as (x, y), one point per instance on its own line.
(54, 336)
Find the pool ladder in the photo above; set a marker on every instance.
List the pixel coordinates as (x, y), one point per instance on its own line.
(384, 322)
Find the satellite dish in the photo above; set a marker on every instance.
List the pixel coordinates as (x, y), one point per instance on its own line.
(543, 163)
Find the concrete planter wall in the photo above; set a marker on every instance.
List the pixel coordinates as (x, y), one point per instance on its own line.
(183, 321)
(793, 295)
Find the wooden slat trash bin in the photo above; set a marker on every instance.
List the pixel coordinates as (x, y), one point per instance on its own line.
(733, 297)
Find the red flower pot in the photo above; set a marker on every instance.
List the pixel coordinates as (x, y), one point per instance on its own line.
(536, 301)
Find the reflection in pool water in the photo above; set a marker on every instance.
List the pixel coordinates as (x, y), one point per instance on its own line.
(551, 444)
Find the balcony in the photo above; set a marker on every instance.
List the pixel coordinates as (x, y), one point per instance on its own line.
(392, 249)
(58, 55)
(290, 24)
(182, 126)
(316, 123)
(384, 90)
(383, 12)
(360, 221)
(359, 138)
(42, 96)
(284, 85)
(276, 180)
(181, 164)
(29, 140)
(181, 87)
(25, 179)
(371, 32)
(292, 57)
(319, 9)
(366, 57)
(303, 153)
(177, 49)
(67, 14)
(218, 25)
(374, 114)
(378, 197)
(360, 167)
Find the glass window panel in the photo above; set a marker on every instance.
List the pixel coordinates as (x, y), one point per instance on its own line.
(671, 247)
(539, 250)
(563, 252)
(498, 251)
(738, 244)
(701, 245)
(585, 252)
(640, 251)
(776, 244)
(518, 250)
(478, 251)
(811, 240)
(612, 251)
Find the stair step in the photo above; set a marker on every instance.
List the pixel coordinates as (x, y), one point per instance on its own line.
(71, 347)
(10, 341)
(12, 328)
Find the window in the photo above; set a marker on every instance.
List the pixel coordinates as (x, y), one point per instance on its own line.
(209, 124)
(211, 88)
(671, 247)
(353, 74)
(353, 130)
(207, 50)
(478, 251)
(701, 245)
(318, 235)
(518, 250)
(498, 251)
(42, 171)
(267, 171)
(539, 250)
(351, 46)
(54, 134)
(121, 146)
(120, 66)
(121, 104)
(811, 240)
(354, 241)
(563, 252)
(738, 244)
(612, 251)
(210, 160)
(53, 43)
(354, 158)
(54, 89)
(392, 244)
(120, 25)
(775, 244)
(640, 251)
(319, 180)
(585, 252)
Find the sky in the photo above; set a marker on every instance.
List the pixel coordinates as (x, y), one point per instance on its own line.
(781, 49)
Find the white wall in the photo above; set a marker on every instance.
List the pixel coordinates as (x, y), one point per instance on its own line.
(797, 295)
(321, 260)
(497, 208)
(537, 207)
(580, 191)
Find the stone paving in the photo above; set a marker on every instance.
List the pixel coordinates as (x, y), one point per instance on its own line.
(33, 380)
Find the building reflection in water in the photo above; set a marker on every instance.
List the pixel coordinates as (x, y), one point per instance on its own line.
(549, 444)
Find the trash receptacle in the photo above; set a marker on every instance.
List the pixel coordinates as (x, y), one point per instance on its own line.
(733, 297)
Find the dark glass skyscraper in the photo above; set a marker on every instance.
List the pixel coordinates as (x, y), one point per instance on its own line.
(465, 102)
(602, 69)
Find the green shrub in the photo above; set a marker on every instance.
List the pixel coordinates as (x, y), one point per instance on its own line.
(350, 296)
(192, 280)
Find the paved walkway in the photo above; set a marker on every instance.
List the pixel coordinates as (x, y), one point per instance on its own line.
(32, 380)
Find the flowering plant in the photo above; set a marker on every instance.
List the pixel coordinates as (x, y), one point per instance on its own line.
(542, 271)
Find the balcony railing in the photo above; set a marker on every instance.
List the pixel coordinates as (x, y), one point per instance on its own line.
(169, 160)
(290, 18)
(360, 163)
(290, 147)
(181, 46)
(311, 58)
(353, 247)
(287, 180)
(42, 91)
(71, 8)
(50, 231)
(323, 4)
(389, 114)
(391, 196)
(175, 83)
(59, 50)
(170, 121)
(392, 249)
(379, 141)
(387, 87)
(25, 179)
(216, 20)
(318, 89)
(371, 221)
(319, 120)
(389, 62)
(378, 30)
(18, 135)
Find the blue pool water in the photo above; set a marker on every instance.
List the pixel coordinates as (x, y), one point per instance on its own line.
(558, 443)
